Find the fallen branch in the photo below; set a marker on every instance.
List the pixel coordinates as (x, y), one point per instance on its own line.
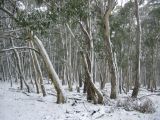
(75, 98)
(99, 116)
(52, 94)
(26, 93)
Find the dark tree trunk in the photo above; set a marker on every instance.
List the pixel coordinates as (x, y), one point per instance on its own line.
(138, 52)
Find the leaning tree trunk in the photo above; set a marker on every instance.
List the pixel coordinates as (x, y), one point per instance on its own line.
(89, 54)
(92, 92)
(35, 71)
(138, 52)
(52, 73)
(20, 68)
(95, 94)
(110, 55)
(35, 59)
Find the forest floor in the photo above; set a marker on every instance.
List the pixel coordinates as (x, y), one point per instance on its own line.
(19, 105)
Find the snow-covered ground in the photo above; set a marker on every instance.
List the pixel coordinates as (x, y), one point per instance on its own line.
(18, 105)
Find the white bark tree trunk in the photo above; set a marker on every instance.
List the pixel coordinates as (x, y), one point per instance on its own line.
(111, 57)
(52, 73)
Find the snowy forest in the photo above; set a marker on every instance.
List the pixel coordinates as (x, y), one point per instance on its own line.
(79, 60)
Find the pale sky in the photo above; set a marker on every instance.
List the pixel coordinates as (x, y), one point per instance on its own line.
(122, 2)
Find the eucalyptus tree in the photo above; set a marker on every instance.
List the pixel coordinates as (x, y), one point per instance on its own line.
(25, 20)
(80, 12)
(138, 51)
(122, 36)
(150, 28)
(104, 9)
(79, 39)
(110, 54)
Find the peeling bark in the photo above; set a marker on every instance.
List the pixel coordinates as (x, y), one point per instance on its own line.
(110, 55)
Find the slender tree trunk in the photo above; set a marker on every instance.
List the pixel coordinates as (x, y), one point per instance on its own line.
(39, 71)
(20, 68)
(3, 70)
(120, 81)
(138, 53)
(35, 71)
(9, 71)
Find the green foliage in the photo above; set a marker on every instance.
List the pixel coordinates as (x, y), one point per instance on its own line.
(1, 2)
(151, 27)
(99, 48)
(39, 2)
(36, 20)
(155, 13)
(120, 24)
(75, 9)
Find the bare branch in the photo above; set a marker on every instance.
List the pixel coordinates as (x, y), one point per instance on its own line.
(10, 49)
(84, 31)
(70, 30)
(9, 13)
(78, 44)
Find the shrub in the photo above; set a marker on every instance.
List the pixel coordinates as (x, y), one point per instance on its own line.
(146, 106)
(143, 105)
